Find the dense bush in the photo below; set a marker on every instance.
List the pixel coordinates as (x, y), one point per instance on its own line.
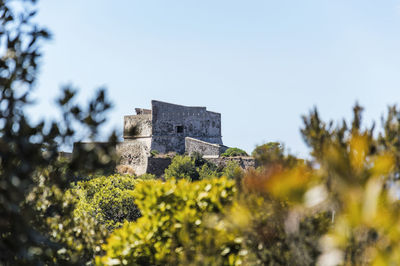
(232, 170)
(178, 226)
(207, 171)
(195, 167)
(107, 198)
(234, 152)
(76, 238)
(182, 167)
(271, 153)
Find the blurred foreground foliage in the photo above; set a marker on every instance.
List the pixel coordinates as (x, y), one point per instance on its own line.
(108, 199)
(179, 225)
(339, 208)
(37, 225)
(358, 174)
(79, 235)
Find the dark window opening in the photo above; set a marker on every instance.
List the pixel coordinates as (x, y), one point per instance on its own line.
(179, 129)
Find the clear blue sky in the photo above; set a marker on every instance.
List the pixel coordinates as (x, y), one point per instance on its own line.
(261, 64)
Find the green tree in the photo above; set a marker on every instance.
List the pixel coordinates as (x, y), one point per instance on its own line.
(195, 167)
(234, 152)
(78, 238)
(271, 153)
(232, 170)
(208, 171)
(182, 167)
(108, 199)
(26, 149)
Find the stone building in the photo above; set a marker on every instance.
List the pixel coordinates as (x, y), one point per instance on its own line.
(169, 128)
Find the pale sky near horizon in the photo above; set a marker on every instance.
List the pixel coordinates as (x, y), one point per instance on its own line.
(261, 64)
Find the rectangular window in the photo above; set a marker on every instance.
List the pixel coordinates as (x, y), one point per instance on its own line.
(179, 129)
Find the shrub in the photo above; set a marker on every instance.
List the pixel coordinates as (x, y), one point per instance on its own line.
(233, 171)
(177, 226)
(198, 159)
(192, 168)
(271, 153)
(79, 238)
(234, 152)
(107, 198)
(182, 167)
(208, 171)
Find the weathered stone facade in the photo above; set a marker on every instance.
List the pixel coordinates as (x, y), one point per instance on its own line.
(168, 128)
(205, 148)
(135, 153)
(244, 162)
(169, 124)
(165, 128)
(136, 147)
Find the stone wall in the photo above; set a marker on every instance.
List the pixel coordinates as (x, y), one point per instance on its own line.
(244, 162)
(134, 153)
(137, 126)
(142, 111)
(172, 123)
(205, 148)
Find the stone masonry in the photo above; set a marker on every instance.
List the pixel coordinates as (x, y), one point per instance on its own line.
(168, 128)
